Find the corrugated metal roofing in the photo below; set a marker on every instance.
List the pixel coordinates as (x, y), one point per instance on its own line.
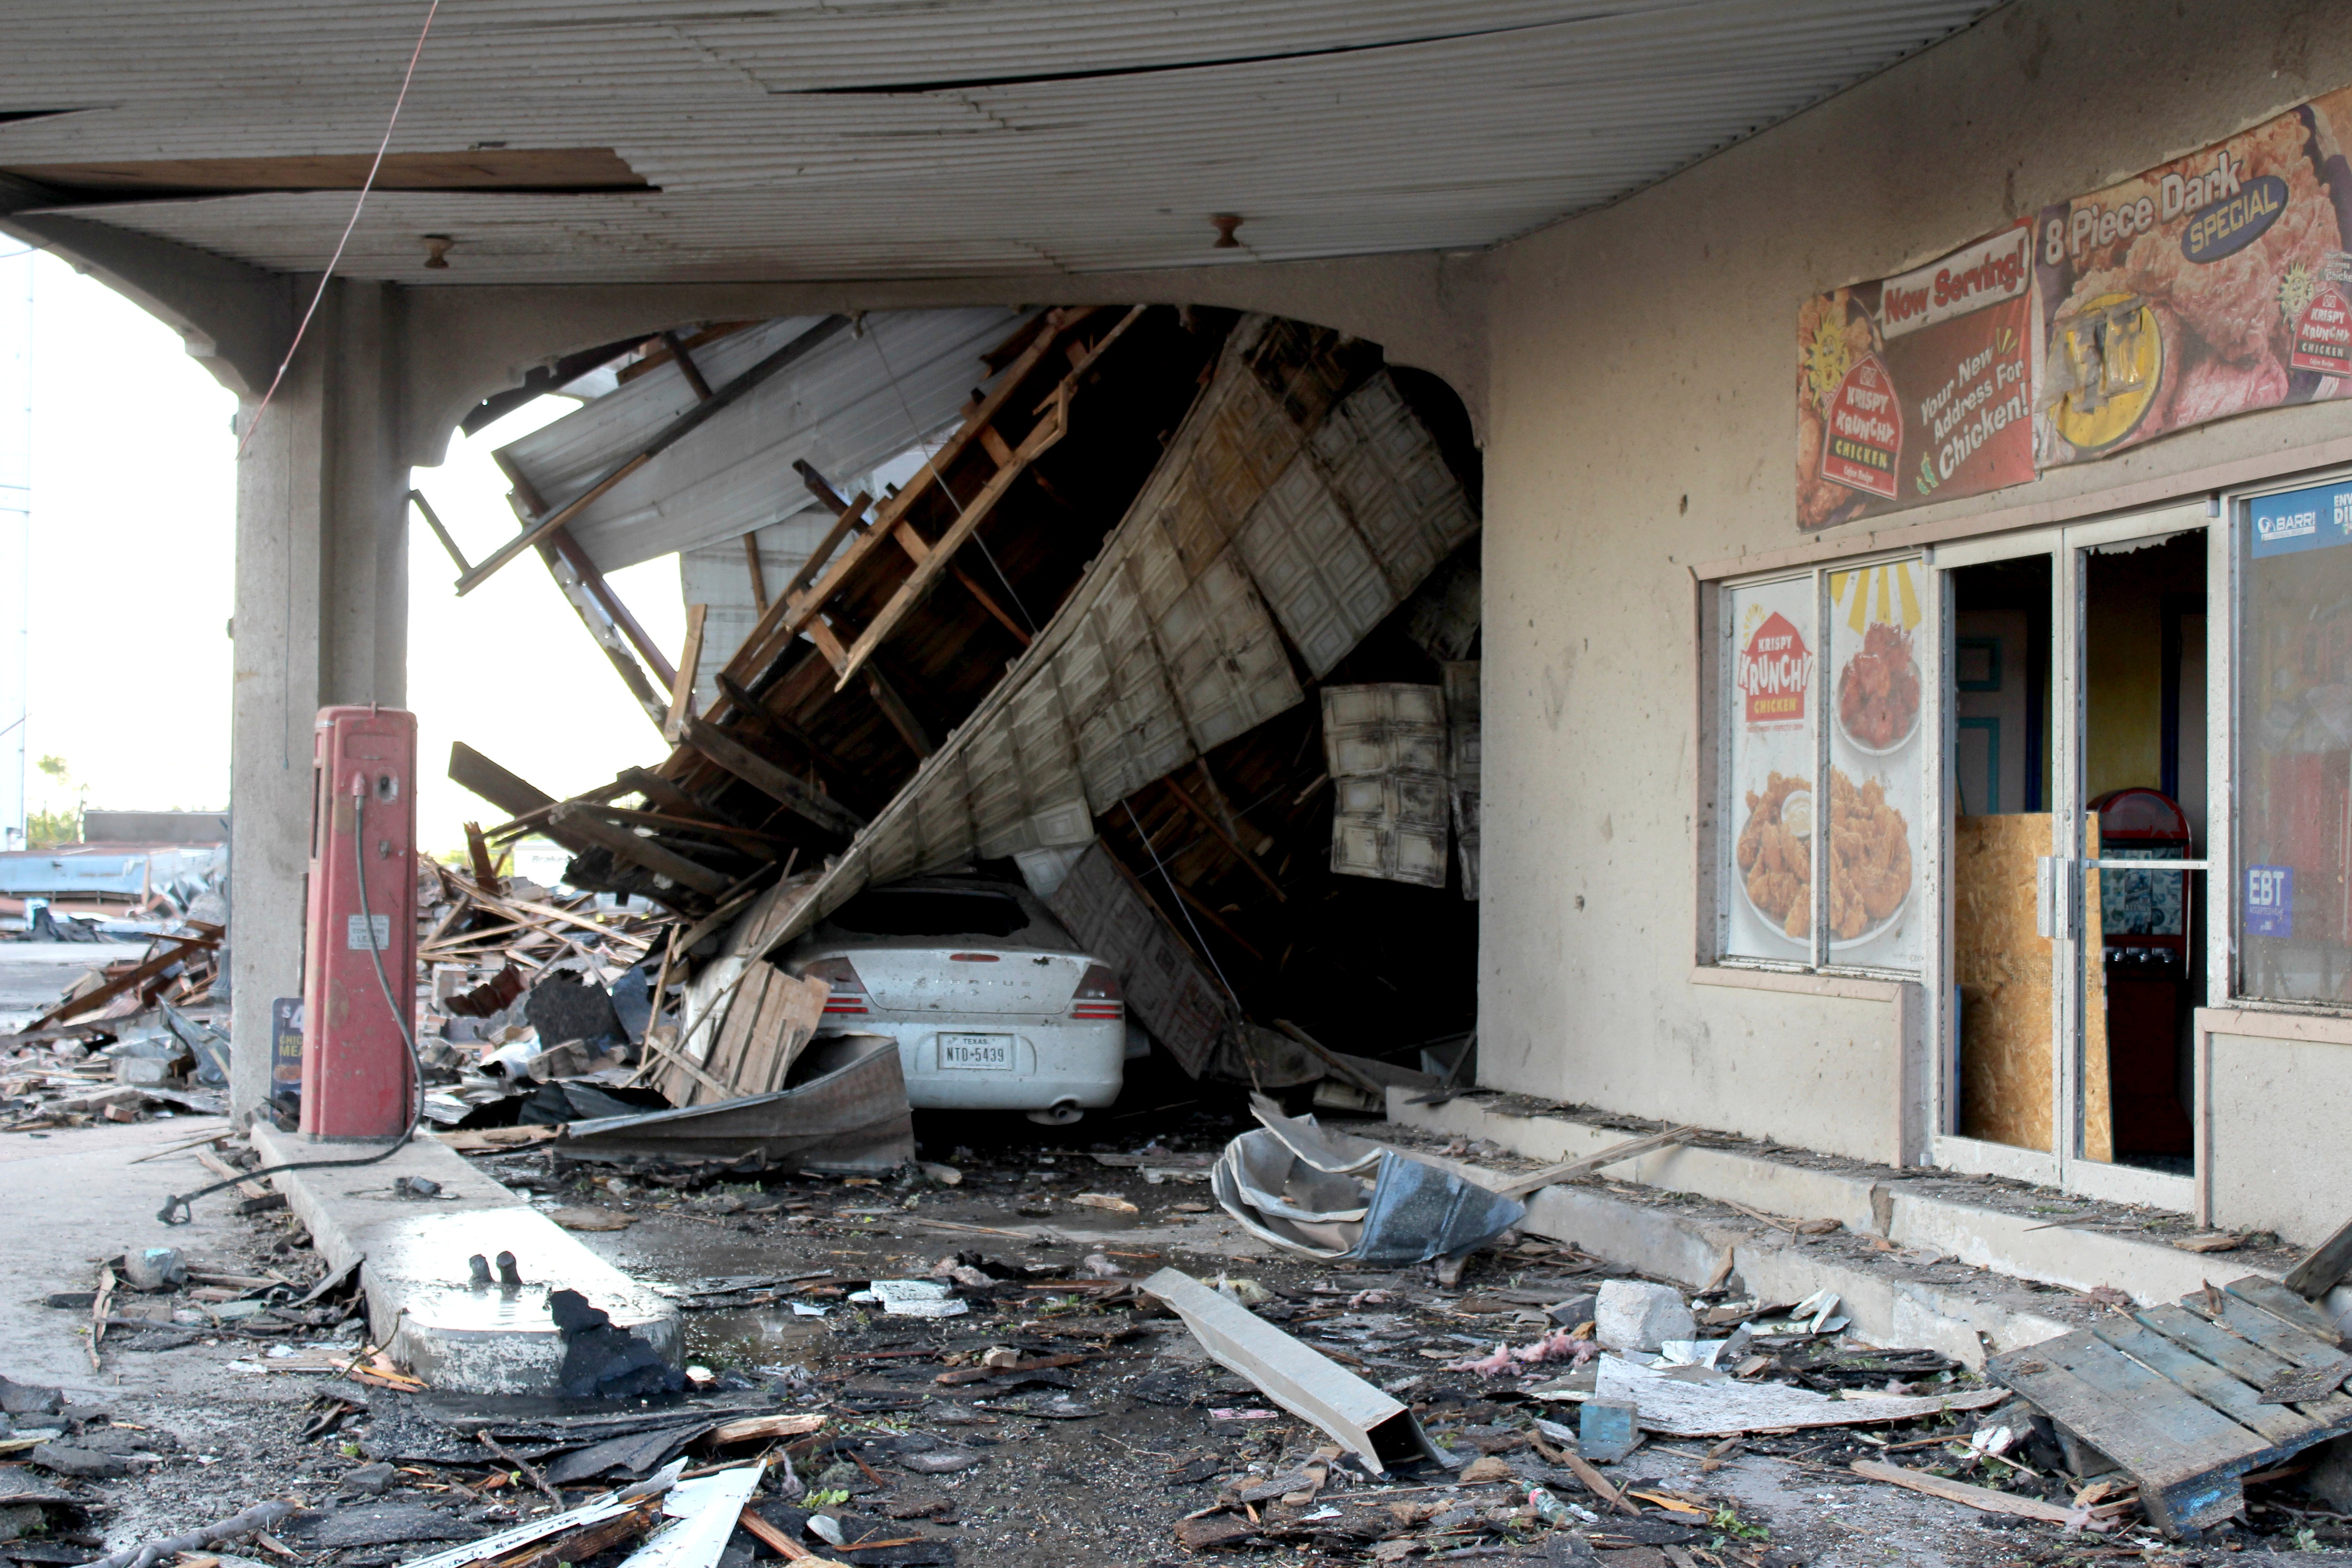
(1052, 138)
(857, 400)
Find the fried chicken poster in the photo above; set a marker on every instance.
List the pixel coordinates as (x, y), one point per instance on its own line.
(1918, 388)
(2213, 285)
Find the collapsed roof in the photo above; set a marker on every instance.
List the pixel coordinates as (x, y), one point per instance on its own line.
(1186, 524)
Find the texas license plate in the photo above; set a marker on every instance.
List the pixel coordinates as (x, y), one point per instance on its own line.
(976, 1051)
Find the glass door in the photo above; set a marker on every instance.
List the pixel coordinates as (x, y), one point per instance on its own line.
(2123, 893)
(2075, 729)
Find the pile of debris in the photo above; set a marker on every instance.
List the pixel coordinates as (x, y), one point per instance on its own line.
(129, 1040)
(534, 1006)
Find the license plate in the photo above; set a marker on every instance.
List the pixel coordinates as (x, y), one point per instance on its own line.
(976, 1051)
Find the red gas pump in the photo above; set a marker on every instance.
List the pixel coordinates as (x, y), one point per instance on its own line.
(359, 986)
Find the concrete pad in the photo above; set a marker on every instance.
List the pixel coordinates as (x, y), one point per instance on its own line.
(421, 1304)
(74, 1197)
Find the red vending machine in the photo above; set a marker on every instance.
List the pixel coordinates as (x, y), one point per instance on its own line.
(359, 981)
(2146, 918)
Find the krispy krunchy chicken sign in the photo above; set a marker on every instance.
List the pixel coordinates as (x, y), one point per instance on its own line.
(1918, 388)
(2213, 285)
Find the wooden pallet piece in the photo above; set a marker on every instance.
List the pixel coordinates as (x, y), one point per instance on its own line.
(2279, 1423)
(2173, 1396)
(2281, 1339)
(2283, 1304)
(2248, 1363)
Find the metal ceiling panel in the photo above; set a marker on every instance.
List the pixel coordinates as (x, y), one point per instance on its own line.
(1395, 484)
(1167, 990)
(1028, 137)
(857, 400)
(1385, 746)
(1317, 570)
(1356, 522)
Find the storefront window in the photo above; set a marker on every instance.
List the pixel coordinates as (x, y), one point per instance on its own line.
(1862, 792)
(2294, 931)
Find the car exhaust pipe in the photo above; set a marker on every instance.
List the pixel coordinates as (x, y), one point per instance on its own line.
(1061, 1113)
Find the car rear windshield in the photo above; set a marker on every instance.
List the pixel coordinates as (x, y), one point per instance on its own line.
(929, 912)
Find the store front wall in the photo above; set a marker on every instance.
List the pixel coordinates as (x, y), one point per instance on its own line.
(1982, 678)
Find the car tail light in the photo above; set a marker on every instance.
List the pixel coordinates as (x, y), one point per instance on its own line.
(848, 998)
(972, 957)
(1098, 996)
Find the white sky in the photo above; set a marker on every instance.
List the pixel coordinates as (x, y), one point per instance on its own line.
(134, 585)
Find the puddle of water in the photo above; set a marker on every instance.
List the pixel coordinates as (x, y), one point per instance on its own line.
(753, 1336)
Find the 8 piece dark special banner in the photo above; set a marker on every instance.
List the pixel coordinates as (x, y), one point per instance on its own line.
(1918, 388)
(2212, 285)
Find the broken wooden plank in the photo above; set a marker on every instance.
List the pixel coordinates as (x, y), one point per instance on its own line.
(676, 430)
(687, 367)
(432, 521)
(765, 777)
(1520, 1186)
(2322, 1265)
(918, 583)
(681, 685)
(894, 708)
(1982, 1498)
(585, 820)
(759, 574)
(1224, 836)
(1674, 1408)
(139, 976)
(766, 638)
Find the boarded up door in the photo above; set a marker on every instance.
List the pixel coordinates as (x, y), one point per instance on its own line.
(2004, 974)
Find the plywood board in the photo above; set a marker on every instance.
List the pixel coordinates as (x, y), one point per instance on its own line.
(2004, 973)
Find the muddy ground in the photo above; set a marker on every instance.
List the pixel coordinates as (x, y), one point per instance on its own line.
(1095, 1461)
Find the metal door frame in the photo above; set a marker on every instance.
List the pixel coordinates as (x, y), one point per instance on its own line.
(2061, 879)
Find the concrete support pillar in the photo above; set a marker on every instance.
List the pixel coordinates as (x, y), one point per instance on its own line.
(322, 618)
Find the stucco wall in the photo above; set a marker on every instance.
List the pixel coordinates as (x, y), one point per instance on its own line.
(1641, 419)
(2284, 1099)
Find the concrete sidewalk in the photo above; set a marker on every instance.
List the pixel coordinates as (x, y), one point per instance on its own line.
(74, 1198)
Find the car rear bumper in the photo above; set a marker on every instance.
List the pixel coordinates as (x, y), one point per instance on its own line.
(1053, 1062)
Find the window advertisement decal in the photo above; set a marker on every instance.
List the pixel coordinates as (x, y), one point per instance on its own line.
(1771, 704)
(1877, 763)
(2294, 847)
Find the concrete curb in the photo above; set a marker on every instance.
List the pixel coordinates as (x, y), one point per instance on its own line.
(1983, 1238)
(420, 1305)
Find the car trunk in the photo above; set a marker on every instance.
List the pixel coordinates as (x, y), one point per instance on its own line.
(928, 980)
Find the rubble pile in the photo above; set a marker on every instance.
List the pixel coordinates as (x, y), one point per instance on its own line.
(129, 1040)
(534, 1006)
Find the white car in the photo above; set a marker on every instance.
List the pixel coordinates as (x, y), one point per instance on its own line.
(994, 1007)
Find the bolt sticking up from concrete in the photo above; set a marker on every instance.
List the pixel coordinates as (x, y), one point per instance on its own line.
(480, 1267)
(508, 1275)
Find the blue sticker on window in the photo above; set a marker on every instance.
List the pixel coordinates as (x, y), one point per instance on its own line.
(2270, 901)
(2303, 520)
